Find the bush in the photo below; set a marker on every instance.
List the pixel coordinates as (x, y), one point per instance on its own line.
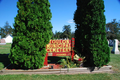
(33, 30)
(90, 32)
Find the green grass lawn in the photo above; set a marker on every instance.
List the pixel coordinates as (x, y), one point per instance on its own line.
(4, 50)
(115, 63)
(100, 76)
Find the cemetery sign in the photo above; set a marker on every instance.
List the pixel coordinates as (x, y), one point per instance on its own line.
(60, 48)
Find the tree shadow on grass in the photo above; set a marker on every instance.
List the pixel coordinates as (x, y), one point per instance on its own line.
(4, 60)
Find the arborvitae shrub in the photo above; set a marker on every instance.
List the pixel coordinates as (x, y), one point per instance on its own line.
(33, 30)
(90, 32)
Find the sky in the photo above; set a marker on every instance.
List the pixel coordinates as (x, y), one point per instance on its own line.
(62, 12)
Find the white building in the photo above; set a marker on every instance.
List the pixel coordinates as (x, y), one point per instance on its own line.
(8, 38)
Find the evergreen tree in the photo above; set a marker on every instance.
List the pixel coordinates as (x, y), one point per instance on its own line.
(72, 34)
(67, 31)
(90, 35)
(58, 35)
(52, 36)
(33, 31)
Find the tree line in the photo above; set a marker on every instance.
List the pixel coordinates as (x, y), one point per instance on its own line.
(66, 32)
(112, 31)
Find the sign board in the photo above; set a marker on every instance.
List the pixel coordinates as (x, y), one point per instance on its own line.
(60, 48)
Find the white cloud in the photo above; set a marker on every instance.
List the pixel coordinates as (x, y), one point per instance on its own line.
(70, 21)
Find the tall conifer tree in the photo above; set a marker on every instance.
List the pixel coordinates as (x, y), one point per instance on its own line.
(33, 31)
(90, 32)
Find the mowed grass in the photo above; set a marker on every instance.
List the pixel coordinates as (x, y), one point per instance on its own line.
(99, 76)
(115, 63)
(4, 50)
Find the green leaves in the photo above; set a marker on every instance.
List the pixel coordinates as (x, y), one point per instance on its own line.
(33, 31)
(90, 36)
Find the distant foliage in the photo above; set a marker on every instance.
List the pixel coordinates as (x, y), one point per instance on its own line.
(7, 29)
(58, 35)
(90, 35)
(73, 34)
(33, 31)
(113, 30)
(66, 33)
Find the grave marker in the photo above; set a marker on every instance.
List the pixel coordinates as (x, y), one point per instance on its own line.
(115, 47)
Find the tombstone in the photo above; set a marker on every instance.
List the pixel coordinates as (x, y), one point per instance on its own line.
(115, 47)
(108, 41)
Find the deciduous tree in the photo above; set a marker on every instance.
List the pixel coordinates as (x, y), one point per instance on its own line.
(7, 29)
(113, 30)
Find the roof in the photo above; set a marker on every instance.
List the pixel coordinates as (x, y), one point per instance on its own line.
(9, 35)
